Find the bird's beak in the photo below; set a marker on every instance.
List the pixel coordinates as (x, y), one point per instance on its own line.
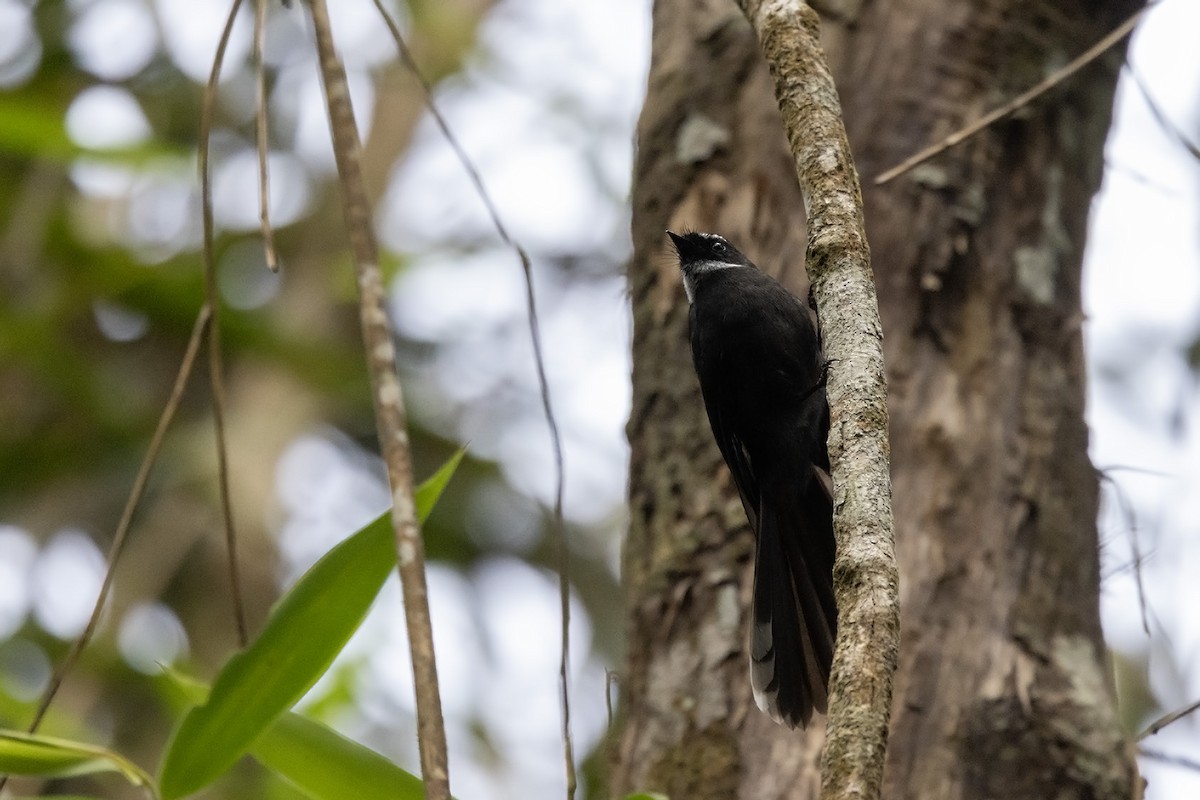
(683, 247)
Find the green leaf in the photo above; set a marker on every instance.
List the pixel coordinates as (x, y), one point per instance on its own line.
(303, 635)
(428, 493)
(319, 761)
(307, 629)
(647, 796)
(327, 766)
(32, 754)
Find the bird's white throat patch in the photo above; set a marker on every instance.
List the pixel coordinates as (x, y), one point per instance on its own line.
(699, 268)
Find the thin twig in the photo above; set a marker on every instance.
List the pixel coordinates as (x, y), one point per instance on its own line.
(1153, 473)
(390, 415)
(216, 368)
(135, 497)
(610, 743)
(610, 677)
(260, 134)
(1168, 719)
(1130, 516)
(1021, 100)
(1164, 121)
(1171, 758)
(543, 385)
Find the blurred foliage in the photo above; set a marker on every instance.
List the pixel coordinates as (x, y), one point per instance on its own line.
(95, 313)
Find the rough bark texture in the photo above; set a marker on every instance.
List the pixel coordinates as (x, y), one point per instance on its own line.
(838, 262)
(1002, 689)
(711, 155)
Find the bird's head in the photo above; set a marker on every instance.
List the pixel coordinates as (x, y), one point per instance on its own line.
(704, 252)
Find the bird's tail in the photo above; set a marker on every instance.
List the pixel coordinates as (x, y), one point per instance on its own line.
(795, 618)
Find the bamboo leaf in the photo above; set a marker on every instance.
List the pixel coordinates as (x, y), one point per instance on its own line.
(50, 757)
(327, 766)
(319, 761)
(305, 632)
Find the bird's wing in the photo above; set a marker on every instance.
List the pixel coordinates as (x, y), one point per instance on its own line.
(737, 458)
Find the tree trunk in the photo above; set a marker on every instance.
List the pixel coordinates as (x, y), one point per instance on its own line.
(1003, 687)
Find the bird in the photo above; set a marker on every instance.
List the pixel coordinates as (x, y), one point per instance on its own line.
(758, 357)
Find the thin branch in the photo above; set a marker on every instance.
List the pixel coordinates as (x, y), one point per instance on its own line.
(866, 583)
(1163, 120)
(1168, 719)
(1018, 102)
(1153, 473)
(216, 369)
(1130, 516)
(260, 134)
(610, 679)
(543, 385)
(411, 64)
(135, 497)
(390, 415)
(1171, 758)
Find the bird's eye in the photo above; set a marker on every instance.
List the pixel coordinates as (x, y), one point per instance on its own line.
(719, 247)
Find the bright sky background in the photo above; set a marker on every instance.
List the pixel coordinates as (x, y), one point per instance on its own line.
(1142, 298)
(546, 108)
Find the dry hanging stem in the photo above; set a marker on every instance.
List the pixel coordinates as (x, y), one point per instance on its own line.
(260, 135)
(216, 368)
(205, 325)
(838, 263)
(390, 415)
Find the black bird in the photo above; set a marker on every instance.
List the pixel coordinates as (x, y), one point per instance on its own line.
(762, 374)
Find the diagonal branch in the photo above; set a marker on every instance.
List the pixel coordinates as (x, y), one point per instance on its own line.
(390, 415)
(838, 262)
(1164, 121)
(1171, 758)
(1020, 101)
(1168, 719)
(203, 319)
